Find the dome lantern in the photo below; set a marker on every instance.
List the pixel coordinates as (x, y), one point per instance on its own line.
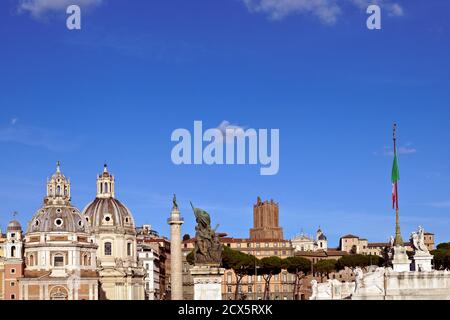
(58, 188)
(105, 184)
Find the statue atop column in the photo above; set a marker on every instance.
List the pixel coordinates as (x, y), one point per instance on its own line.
(208, 249)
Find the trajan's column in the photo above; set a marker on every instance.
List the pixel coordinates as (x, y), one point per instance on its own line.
(176, 279)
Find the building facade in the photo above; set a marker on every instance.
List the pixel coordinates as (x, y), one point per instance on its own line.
(354, 244)
(148, 239)
(59, 252)
(266, 221)
(113, 230)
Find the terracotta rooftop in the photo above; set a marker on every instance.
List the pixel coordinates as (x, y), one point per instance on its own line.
(349, 236)
(378, 244)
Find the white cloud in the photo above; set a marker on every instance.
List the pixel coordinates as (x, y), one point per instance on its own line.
(237, 130)
(440, 205)
(38, 137)
(14, 121)
(38, 8)
(327, 11)
(407, 149)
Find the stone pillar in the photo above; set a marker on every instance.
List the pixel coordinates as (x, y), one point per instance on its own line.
(207, 282)
(400, 261)
(422, 262)
(176, 259)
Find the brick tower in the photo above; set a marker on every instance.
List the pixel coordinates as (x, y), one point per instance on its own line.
(265, 221)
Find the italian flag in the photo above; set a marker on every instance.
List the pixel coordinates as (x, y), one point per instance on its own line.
(395, 179)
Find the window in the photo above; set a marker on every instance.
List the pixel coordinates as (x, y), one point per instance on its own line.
(31, 260)
(12, 284)
(108, 249)
(58, 190)
(250, 289)
(13, 251)
(13, 297)
(13, 235)
(58, 261)
(13, 271)
(129, 248)
(229, 289)
(249, 245)
(58, 222)
(229, 277)
(106, 187)
(86, 260)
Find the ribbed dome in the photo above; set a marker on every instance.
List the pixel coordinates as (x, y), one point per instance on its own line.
(52, 218)
(14, 225)
(109, 213)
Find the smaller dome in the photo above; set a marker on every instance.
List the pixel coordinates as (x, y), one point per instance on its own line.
(14, 225)
(322, 237)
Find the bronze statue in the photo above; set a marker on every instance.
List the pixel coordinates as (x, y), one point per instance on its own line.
(208, 249)
(175, 204)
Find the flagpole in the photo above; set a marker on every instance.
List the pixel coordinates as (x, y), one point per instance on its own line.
(398, 235)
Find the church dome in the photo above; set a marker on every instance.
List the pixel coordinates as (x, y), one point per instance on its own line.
(57, 213)
(106, 213)
(14, 225)
(57, 219)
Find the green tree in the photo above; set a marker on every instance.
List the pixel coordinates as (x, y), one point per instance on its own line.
(241, 263)
(269, 267)
(190, 258)
(298, 266)
(441, 259)
(186, 237)
(325, 267)
(444, 246)
(358, 260)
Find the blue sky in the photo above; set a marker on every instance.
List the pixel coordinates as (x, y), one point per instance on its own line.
(116, 89)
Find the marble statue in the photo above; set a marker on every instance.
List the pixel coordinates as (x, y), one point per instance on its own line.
(418, 241)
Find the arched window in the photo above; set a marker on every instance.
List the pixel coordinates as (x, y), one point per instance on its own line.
(108, 249)
(13, 252)
(106, 187)
(129, 248)
(58, 190)
(31, 260)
